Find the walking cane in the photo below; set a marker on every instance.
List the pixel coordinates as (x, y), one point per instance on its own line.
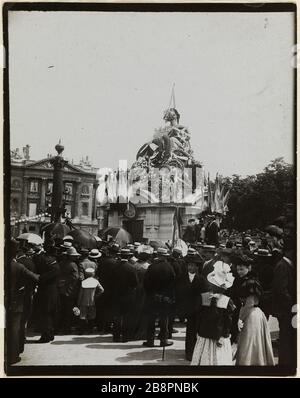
(163, 353)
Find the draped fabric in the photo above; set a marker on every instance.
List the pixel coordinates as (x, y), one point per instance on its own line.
(254, 342)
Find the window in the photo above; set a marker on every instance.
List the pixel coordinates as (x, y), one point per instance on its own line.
(14, 206)
(32, 209)
(68, 188)
(85, 209)
(34, 186)
(49, 188)
(16, 184)
(85, 190)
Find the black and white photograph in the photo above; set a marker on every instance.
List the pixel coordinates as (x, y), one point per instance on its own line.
(150, 189)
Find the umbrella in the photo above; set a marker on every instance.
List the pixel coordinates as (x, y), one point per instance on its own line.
(55, 230)
(83, 239)
(120, 235)
(31, 238)
(157, 243)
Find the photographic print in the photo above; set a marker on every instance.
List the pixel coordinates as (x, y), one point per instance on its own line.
(150, 189)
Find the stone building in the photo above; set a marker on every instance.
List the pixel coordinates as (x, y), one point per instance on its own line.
(31, 193)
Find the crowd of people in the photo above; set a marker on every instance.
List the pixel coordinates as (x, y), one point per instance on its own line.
(223, 289)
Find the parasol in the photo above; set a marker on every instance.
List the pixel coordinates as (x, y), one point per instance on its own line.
(83, 239)
(55, 230)
(120, 235)
(31, 238)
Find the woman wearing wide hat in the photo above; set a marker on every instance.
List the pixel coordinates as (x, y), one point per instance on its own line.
(213, 342)
(254, 342)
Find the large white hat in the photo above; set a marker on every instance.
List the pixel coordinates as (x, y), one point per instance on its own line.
(221, 276)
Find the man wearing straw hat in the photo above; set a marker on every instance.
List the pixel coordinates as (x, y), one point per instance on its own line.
(68, 287)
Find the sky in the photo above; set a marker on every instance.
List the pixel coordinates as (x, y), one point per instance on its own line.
(101, 82)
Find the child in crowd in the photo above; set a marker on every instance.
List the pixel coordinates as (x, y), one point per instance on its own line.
(89, 290)
(254, 341)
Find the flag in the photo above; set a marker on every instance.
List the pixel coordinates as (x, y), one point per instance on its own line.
(177, 222)
(217, 195)
(211, 202)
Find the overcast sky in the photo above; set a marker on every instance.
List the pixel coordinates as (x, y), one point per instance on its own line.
(101, 81)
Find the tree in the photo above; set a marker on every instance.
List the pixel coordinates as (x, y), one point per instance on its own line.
(257, 200)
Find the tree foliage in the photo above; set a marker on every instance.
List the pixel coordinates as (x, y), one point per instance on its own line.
(257, 200)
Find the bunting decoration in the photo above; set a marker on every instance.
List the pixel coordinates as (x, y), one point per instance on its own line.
(216, 197)
(24, 219)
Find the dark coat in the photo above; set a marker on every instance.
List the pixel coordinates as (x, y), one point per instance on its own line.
(68, 278)
(160, 279)
(19, 276)
(212, 233)
(189, 294)
(47, 294)
(190, 234)
(215, 322)
(124, 285)
(283, 287)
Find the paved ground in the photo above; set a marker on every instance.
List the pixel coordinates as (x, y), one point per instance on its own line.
(98, 349)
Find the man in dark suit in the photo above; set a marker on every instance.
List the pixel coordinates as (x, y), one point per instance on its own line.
(25, 258)
(190, 231)
(124, 289)
(159, 284)
(19, 275)
(284, 298)
(68, 287)
(212, 231)
(106, 274)
(47, 296)
(191, 286)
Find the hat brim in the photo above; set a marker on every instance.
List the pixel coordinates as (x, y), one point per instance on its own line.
(98, 256)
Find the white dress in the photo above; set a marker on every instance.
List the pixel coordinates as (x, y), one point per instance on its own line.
(207, 352)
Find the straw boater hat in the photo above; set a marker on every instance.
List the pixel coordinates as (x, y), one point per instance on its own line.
(72, 252)
(209, 248)
(68, 238)
(125, 254)
(66, 245)
(262, 253)
(161, 251)
(89, 272)
(94, 253)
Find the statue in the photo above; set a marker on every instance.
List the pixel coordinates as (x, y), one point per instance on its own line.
(170, 145)
(15, 154)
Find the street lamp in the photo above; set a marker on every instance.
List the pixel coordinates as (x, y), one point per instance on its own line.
(58, 164)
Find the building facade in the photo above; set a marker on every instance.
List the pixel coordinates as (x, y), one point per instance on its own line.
(31, 193)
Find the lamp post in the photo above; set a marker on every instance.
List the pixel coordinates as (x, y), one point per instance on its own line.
(58, 164)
